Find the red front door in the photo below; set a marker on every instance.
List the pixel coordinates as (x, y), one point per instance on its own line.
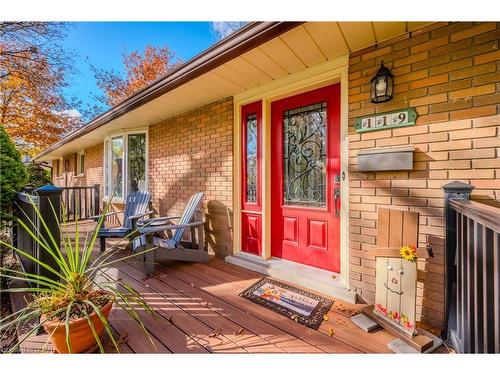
(305, 161)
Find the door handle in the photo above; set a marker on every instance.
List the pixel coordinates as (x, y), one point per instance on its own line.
(336, 201)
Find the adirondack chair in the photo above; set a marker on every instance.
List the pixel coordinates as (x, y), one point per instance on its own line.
(136, 208)
(166, 235)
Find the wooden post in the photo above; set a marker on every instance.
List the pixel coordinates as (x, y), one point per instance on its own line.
(97, 199)
(452, 190)
(49, 205)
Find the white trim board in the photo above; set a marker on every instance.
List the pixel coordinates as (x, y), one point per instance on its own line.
(316, 279)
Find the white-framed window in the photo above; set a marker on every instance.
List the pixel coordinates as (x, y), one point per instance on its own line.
(80, 163)
(125, 164)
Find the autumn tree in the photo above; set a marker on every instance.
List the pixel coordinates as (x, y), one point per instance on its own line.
(33, 71)
(140, 70)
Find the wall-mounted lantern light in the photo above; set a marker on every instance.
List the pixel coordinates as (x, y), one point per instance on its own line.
(382, 85)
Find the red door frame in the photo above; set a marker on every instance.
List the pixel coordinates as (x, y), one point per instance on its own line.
(329, 259)
(251, 212)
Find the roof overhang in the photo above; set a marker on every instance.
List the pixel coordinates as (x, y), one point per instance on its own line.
(254, 55)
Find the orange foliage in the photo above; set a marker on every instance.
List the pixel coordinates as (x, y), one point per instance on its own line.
(32, 108)
(140, 71)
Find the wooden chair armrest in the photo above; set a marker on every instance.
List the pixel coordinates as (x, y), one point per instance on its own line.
(97, 217)
(161, 228)
(164, 220)
(138, 216)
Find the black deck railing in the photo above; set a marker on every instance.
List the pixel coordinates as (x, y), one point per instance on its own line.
(80, 202)
(47, 201)
(472, 272)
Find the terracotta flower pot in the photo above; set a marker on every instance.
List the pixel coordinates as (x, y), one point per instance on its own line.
(81, 337)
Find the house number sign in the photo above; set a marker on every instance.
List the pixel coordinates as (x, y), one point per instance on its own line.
(387, 120)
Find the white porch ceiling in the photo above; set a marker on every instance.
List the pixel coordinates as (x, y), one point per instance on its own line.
(302, 47)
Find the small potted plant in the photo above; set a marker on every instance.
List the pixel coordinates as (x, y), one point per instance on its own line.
(74, 306)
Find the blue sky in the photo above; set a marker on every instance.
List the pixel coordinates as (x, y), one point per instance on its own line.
(102, 44)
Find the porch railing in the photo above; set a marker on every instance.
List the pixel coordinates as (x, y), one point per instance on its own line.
(80, 202)
(472, 272)
(47, 201)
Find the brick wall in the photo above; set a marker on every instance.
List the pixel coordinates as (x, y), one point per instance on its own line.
(93, 169)
(451, 74)
(193, 152)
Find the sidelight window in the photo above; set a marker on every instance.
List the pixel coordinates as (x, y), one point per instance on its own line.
(251, 162)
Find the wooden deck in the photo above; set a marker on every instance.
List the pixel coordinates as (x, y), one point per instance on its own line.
(200, 311)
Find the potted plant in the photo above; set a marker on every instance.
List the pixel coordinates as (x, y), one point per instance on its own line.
(74, 306)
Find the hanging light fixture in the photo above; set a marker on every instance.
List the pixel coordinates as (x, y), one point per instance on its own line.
(382, 85)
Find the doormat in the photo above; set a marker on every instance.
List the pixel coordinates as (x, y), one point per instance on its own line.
(297, 304)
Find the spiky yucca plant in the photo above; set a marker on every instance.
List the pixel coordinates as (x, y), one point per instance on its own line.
(79, 288)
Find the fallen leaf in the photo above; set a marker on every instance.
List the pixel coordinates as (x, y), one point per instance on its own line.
(122, 339)
(240, 331)
(325, 317)
(341, 323)
(334, 277)
(215, 333)
(331, 332)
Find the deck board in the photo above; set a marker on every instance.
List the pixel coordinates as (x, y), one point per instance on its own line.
(177, 311)
(339, 317)
(228, 291)
(236, 318)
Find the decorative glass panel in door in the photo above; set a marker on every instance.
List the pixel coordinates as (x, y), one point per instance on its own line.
(136, 177)
(304, 158)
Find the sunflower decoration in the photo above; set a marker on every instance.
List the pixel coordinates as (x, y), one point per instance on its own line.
(408, 253)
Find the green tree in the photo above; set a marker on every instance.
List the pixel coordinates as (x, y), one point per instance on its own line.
(13, 176)
(37, 175)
